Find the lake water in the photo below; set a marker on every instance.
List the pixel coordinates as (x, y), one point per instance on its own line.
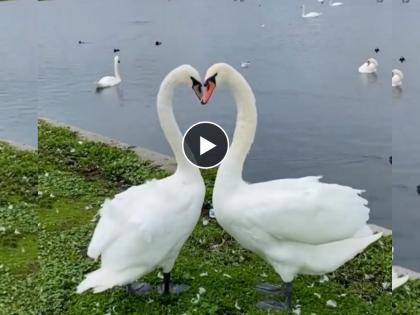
(406, 137)
(18, 91)
(317, 114)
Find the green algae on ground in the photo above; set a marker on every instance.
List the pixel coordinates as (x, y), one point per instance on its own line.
(75, 176)
(18, 229)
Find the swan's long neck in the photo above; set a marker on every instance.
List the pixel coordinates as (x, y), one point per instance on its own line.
(169, 125)
(246, 124)
(303, 10)
(116, 70)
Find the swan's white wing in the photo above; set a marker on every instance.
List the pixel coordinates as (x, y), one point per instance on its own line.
(107, 81)
(398, 73)
(304, 210)
(144, 210)
(367, 68)
(313, 14)
(141, 229)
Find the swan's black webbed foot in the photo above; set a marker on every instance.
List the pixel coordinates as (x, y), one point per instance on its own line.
(276, 305)
(167, 287)
(139, 288)
(268, 288)
(174, 288)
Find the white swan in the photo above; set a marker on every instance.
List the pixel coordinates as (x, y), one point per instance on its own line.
(109, 81)
(335, 4)
(144, 227)
(299, 226)
(397, 77)
(397, 281)
(245, 64)
(309, 14)
(370, 66)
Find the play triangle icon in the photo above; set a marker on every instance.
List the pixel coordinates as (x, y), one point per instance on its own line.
(205, 145)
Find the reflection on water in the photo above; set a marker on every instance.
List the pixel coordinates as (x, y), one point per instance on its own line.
(368, 78)
(397, 92)
(115, 94)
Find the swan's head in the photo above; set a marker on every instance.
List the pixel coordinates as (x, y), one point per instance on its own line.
(372, 60)
(117, 59)
(216, 73)
(397, 72)
(188, 75)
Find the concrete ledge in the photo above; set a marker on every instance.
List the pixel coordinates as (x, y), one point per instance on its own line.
(413, 275)
(166, 162)
(18, 146)
(377, 228)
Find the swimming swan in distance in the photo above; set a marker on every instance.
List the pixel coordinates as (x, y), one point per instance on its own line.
(397, 281)
(397, 77)
(145, 227)
(309, 14)
(370, 66)
(297, 225)
(109, 81)
(335, 4)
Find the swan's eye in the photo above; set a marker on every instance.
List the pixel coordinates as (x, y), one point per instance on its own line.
(195, 82)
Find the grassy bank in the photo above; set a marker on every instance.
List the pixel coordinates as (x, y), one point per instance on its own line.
(75, 176)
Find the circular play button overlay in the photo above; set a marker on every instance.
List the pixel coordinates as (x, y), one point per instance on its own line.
(205, 144)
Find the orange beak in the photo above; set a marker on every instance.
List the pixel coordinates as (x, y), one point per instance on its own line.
(209, 87)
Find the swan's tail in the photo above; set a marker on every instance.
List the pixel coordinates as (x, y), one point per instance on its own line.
(99, 280)
(328, 257)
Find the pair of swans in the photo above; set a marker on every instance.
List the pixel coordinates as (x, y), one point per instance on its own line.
(110, 81)
(299, 226)
(371, 66)
(331, 3)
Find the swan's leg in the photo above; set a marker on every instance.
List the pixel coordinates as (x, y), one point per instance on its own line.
(139, 288)
(168, 287)
(275, 305)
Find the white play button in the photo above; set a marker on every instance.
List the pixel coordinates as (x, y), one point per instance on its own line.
(205, 145)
